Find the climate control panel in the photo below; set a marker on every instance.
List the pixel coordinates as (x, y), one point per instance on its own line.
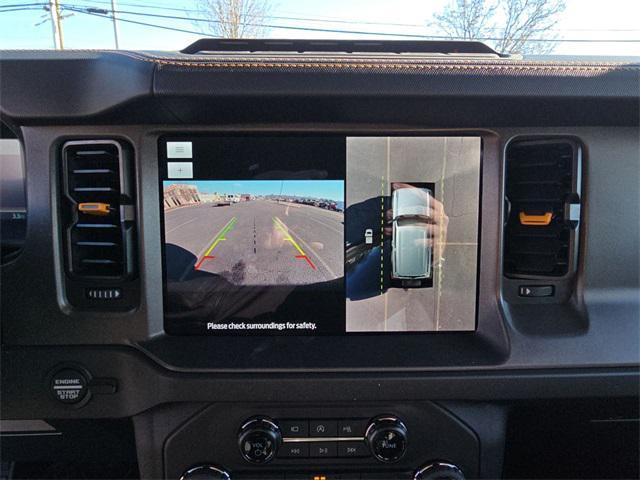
(261, 439)
(421, 441)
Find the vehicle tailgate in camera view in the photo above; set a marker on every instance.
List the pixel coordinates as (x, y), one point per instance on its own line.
(412, 253)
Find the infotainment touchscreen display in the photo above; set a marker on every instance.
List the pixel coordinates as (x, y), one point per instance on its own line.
(319, 235)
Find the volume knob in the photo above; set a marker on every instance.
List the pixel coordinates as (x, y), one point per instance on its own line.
(387, 438)
(259, 440)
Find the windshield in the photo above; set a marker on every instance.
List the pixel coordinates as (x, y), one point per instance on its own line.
(527, 27)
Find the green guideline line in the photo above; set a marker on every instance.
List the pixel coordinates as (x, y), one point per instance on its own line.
(220, 236)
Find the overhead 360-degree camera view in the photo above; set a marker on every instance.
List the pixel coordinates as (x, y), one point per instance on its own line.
(260, 232)
(412, 233)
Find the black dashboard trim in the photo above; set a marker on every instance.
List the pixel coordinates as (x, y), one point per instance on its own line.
(120, 86)
(535, 340)
(26, 393)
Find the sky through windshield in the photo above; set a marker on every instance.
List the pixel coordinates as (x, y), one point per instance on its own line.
(580, 27)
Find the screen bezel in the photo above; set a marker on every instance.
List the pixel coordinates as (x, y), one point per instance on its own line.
(162, 139)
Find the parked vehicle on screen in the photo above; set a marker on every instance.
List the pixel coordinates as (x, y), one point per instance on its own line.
(412, 252)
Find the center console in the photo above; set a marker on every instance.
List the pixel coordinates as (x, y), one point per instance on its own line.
(286, 241)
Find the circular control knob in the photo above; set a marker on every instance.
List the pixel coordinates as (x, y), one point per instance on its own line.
(259, 440)
(439, 471)
(387, 438)
(205, 472)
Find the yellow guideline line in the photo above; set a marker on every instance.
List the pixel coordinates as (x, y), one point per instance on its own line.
(220, 235)
(280, 224)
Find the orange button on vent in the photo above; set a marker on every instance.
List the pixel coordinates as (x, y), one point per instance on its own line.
(536, 220)
(94, 208)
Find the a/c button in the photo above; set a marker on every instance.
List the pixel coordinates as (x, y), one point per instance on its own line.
(323, 428)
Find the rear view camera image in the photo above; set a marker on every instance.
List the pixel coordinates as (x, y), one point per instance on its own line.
(253, 234)
(257, 232)
(412, 233)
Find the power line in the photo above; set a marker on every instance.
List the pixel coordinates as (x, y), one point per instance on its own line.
(362, 32)
(82, 9)
(109, 17)
(321, 19)
(282, 27)
(104, 13)
(21, 9)
(40, 4)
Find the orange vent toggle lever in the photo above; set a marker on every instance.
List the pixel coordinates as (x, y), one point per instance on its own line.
(94, 208)
(536, 220)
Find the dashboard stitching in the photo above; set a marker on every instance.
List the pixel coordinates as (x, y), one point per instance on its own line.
(355, 64)
(333, 62)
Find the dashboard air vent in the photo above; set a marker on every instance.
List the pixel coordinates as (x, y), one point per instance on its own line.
(542, 207)
(99, 216)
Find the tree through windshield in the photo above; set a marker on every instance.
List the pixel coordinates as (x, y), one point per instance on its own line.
(527, 27)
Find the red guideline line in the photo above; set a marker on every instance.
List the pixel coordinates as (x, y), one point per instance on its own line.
(308, 261)
(202, 260)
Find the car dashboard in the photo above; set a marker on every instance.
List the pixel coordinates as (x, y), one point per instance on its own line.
(305, 262)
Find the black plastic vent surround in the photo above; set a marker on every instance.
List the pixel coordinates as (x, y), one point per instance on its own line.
(99, 217)
(542, 207)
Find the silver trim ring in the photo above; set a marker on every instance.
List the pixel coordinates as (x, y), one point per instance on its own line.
(260, 420)
(222, 473)
(423, 471)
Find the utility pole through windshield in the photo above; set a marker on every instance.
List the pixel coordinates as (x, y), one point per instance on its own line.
(56, 24)
(115, 23)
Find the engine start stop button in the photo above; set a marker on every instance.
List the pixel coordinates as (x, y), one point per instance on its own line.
(69, 386)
